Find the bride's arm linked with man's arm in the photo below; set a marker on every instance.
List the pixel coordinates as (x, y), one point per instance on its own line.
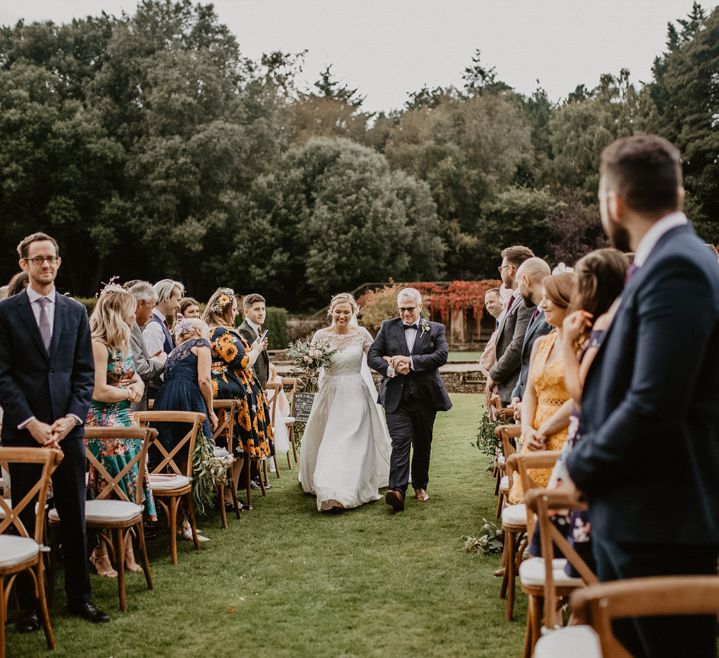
(377, 352)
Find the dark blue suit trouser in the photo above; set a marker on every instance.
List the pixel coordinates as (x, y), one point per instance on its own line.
(410, 426)
(68, 484)
(660, 637)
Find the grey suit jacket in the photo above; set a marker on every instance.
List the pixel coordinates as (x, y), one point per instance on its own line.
(536, 328)
(148, 370)
(505, 371)
(262, 364)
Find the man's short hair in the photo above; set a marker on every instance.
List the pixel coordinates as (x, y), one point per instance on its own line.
(143, 290)
(249, 300)
(492, 290)
(165, 289)
(409, 293)
(517, 255)
(645, 171)
(23, 249)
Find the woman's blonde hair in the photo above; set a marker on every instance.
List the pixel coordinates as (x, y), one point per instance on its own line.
(559, 288)
(218, 311)
(107, 322)
(343, 298)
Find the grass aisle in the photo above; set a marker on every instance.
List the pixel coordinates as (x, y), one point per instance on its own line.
(287, 581)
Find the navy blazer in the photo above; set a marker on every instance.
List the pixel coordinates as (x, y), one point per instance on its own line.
(649, 454)
(535, 329)
(429, 352)
(35, 383)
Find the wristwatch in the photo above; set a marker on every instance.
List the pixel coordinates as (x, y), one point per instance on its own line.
(78, 422)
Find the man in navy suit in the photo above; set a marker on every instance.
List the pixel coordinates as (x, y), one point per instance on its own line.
(46, 383)
(408, 352)
(648, 459)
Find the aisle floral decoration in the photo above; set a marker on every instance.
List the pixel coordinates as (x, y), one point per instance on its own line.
(309, 357)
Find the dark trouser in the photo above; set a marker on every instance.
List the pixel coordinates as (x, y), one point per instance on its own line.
(660, 637)
(68, 484)
(410, 426)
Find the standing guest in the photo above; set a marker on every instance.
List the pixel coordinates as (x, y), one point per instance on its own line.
(253, 306)
(117, 385)
(493, 304)
(46, 381)
(156, 334)
(545, 416)
(505, 372)
(530, 277)
(17, 284)
(189, 308)
(234, 378)
(148, 368)
(648, 459)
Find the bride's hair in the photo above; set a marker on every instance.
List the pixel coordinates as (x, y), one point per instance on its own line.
(343, 298)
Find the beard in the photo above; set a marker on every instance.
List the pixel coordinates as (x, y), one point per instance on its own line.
(528, 300)
(619, 238)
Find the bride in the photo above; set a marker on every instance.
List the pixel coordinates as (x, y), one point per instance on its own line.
(345, 447)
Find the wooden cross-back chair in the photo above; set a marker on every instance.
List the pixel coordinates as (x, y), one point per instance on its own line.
(507, 434)
(276, 387)
(225, 433)
(112, 508)
(171, 479)
(22, 551)
(597, 605)
(290, 422)
(548, 575)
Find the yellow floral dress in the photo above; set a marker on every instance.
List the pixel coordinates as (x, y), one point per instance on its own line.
(548, 379)
(233, 378)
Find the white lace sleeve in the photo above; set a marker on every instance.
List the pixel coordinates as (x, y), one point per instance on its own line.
(316, 335)
(367, 339)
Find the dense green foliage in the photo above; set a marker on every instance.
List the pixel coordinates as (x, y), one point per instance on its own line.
(151, 147)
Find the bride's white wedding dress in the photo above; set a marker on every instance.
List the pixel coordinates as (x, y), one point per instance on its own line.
(345, 447)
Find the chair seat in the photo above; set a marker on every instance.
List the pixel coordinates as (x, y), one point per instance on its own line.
(160, 483)
(104, 511)
(289, 420)
(531, 573)
(569, 642)
(504, 484)
(515, 514)
(8, 502)
(501, 460)
(15, 550)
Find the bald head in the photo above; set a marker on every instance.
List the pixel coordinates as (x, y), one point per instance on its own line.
(529, 279)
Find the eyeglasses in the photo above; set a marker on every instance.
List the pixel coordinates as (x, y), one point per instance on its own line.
(407, 309)
(39, 260)
(501, 268)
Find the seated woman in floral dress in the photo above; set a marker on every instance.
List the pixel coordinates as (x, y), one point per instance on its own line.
(234, 379)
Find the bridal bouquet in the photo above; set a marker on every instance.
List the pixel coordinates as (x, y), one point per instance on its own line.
(309, 357)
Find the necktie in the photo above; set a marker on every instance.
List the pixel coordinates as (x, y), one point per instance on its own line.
(44, 323)
(535, 314)
(509, 303)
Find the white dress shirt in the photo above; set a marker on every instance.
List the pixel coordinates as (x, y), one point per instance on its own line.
(153, 336)
(34, 296)
(652, 236)
(256, 327)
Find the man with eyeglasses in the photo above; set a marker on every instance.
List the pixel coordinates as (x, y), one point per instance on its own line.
(46, 382)
(408, 353)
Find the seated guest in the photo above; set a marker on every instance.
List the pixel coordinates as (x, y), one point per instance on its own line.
(117, 385)
(149, 368)
(17, 284)
(545, 418)
(505, 371)
(530, 275)
(156, 333)
(189, 308)
(253, 306)
(233, 377)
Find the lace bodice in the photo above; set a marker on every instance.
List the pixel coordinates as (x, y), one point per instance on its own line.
(351, 348)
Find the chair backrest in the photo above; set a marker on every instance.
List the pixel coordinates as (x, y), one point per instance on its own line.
(523, 463)
(293, 383)
(276, 388)
(48, 459)
(506, 434)
(112, 482)
(169, 459)
(225, 410)
(658, 596)
(542, 502)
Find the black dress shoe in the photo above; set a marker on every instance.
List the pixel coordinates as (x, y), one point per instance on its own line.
(395, 499)
(27, 622)
(89, 612)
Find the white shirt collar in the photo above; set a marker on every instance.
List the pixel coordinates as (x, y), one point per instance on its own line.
(256, 327)
(159, 314)
(652, 236)
(33, 295)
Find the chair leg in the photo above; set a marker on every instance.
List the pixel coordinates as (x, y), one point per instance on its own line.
(143, 552)
(262, 480)
(289, 461)
(293, 444)
(277, 468)
(511, 575)
(527, 648)
(505, 567)
(247, 470)
(172, 522)
(221, 498)
(119, 537)
(3, 613)
(52, 571)
(500, 500)
(42, 600)
(233, 493)
(190, 509)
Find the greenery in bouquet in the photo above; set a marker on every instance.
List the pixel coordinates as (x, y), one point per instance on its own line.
(487, 442)
(208, 471)
(308, 357)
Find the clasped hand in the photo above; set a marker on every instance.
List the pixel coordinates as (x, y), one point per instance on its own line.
(49, 436)
(534, 439)
(401, 364)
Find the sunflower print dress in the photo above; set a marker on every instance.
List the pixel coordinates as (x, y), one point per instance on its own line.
(233, 378)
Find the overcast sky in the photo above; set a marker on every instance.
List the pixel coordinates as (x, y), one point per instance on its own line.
(389, 47)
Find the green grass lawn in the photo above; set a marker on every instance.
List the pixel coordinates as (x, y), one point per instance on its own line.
(288, 581)
(464, 356)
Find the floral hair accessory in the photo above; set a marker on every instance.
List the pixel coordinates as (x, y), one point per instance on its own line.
(223, 300)
(111, 286)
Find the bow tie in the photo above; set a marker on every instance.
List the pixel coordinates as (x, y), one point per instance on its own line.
(410, 326)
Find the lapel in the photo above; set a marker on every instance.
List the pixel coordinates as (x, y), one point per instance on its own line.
(508, 314)
(419, 339)
(250, 328)
(399, 332)
(58, 322)
(28, 318)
